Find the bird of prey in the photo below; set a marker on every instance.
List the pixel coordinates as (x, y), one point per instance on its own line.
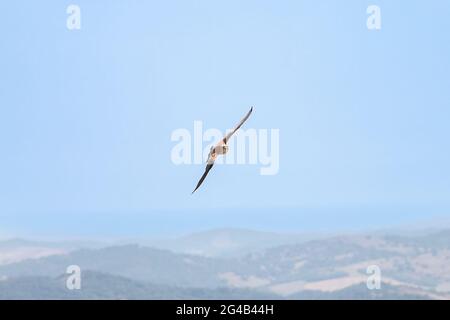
(220, 148)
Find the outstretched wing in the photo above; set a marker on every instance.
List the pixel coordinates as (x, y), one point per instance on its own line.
(228, 136)
(208, 167)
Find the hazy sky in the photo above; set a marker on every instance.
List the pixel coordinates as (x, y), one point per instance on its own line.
(86, 115)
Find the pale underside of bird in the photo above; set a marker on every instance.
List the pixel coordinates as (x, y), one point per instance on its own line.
(220, 148)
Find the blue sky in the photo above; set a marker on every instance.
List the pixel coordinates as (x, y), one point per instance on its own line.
(86, 116)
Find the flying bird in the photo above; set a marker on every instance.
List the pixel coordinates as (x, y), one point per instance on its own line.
(220, 148)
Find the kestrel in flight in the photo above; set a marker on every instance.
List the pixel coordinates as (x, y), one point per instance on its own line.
(220, 148)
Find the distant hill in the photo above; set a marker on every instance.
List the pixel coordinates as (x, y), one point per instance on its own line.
(412, 267)
(231, 242)
(340, 262)
(360, 292)
(132, 261)
(96, 285)
(15, 250)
